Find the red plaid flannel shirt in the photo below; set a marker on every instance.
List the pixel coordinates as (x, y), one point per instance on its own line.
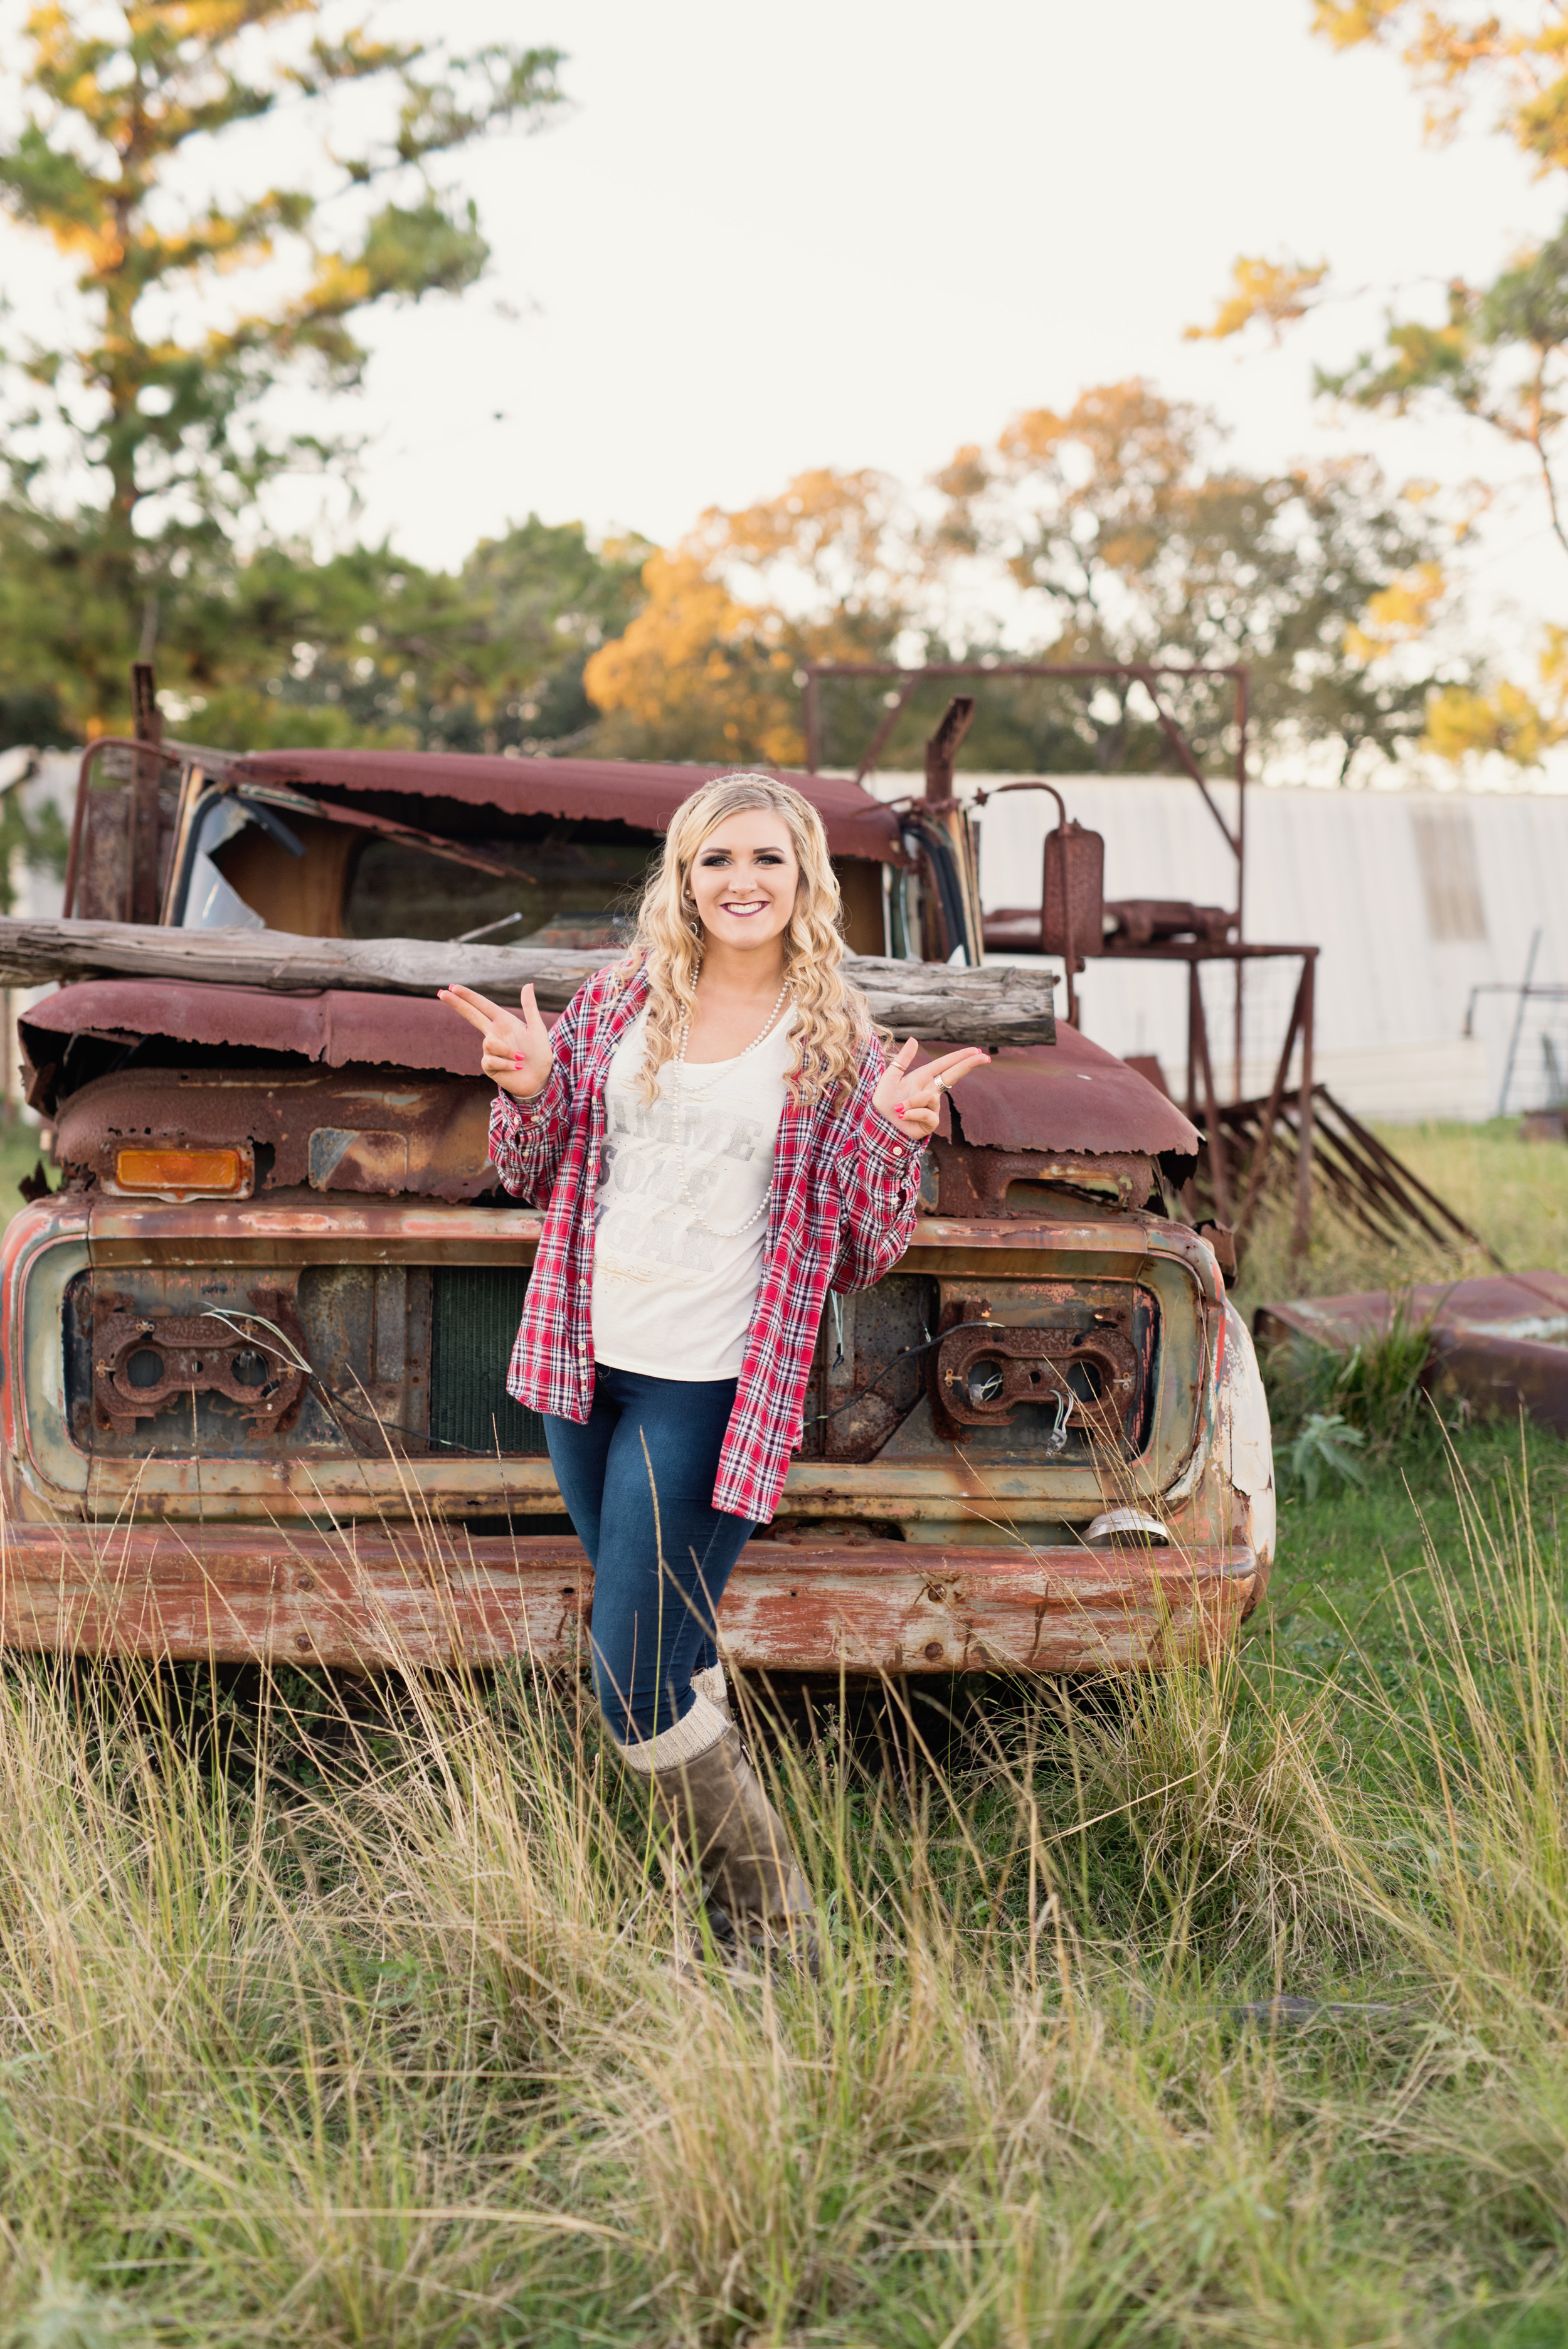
(846, 1190)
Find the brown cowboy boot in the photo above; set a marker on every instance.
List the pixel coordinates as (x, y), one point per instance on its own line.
(705, 1786)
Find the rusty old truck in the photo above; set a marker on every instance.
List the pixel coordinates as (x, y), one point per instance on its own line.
(254, 1341)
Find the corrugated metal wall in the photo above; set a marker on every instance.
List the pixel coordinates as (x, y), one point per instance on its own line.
(1414, 897)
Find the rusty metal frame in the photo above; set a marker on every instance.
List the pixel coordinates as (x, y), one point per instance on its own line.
(1200, 1059)
(1371, 1187)
(166, 754)
(1143, 673)
(1238, 1209)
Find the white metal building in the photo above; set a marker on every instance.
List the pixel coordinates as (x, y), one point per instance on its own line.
(1414, 897)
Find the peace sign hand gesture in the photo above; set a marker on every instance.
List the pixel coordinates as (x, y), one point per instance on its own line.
(914, 1102)
(516, 1052)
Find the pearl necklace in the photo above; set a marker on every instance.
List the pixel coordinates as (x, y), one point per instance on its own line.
(679, 1101)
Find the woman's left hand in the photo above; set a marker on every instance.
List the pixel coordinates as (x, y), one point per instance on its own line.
(912, 1101)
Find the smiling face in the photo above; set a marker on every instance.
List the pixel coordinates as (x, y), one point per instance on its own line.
(744, 878)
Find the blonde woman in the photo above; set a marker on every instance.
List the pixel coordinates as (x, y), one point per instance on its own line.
(717, 1140)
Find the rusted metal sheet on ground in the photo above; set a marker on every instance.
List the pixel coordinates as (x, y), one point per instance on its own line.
(369, 1602)
(1530, 1306)
(1501, 1341)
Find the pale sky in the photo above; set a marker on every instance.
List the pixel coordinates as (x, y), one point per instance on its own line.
(851, 233)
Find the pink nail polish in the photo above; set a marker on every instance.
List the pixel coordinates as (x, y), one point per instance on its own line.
(517, 1060)
(899, 1108)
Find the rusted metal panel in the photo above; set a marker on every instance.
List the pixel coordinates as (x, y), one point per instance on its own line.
(1507, 1375)
(993, 1182)
(645, 796)
(1069, 1095)
(986, 1368)
(1529, 1306)
(368, 1601)
(1500, 1342)
(339, 1027)
(376, 1135)
(295, 1231)
(143, 1363)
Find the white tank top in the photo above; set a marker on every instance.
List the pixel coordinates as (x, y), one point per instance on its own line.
(675, 1285)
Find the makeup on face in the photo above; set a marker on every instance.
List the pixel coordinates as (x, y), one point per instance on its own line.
(744, 877)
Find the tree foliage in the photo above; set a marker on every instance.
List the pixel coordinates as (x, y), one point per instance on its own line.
(1124, 531)
(486, 657)
(1112, 532)
(364, 648)
(709, 669)
(1500, 353)
(132, 451)
(1519, 61)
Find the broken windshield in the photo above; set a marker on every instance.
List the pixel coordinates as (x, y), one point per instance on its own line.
(275, 860)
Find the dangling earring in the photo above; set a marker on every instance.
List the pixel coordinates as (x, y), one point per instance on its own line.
(688, 907)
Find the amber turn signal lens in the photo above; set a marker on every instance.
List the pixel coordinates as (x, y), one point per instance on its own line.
(179, 1170)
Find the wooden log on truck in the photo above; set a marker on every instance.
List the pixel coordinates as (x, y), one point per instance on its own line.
(997, 1005)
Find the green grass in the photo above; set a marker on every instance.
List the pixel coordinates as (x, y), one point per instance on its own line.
(347, 2016)
(21, 1148)
(332, 2015)
(1513, 1195)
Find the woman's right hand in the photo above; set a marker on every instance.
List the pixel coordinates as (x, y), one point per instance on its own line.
(516, 1052)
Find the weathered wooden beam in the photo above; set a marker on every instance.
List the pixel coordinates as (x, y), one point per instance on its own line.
(997, 1005)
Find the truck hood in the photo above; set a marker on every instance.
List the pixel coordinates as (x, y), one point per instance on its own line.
(1071, 1095)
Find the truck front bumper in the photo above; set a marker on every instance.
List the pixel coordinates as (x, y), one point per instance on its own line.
(366, 1600)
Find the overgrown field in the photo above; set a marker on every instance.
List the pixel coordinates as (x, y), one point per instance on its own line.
(1227, 2008)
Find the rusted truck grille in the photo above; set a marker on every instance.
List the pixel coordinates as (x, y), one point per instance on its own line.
(475, 1310)
(165, 1362)
(396, 1502)
(930, 1417)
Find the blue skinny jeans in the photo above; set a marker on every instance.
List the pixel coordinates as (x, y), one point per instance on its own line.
(637, 1479)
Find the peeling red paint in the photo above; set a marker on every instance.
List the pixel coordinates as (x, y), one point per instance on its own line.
(369, 1600)
(381, 1135)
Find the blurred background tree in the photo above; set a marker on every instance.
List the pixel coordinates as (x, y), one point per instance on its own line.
(134, 457)
(1111, 533)
(711, 667)
(138, 454)
(1499, 355)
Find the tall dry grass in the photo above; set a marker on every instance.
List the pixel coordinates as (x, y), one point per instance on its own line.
(1221, 2008)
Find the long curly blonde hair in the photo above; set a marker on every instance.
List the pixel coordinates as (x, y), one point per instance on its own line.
(832, 1018)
